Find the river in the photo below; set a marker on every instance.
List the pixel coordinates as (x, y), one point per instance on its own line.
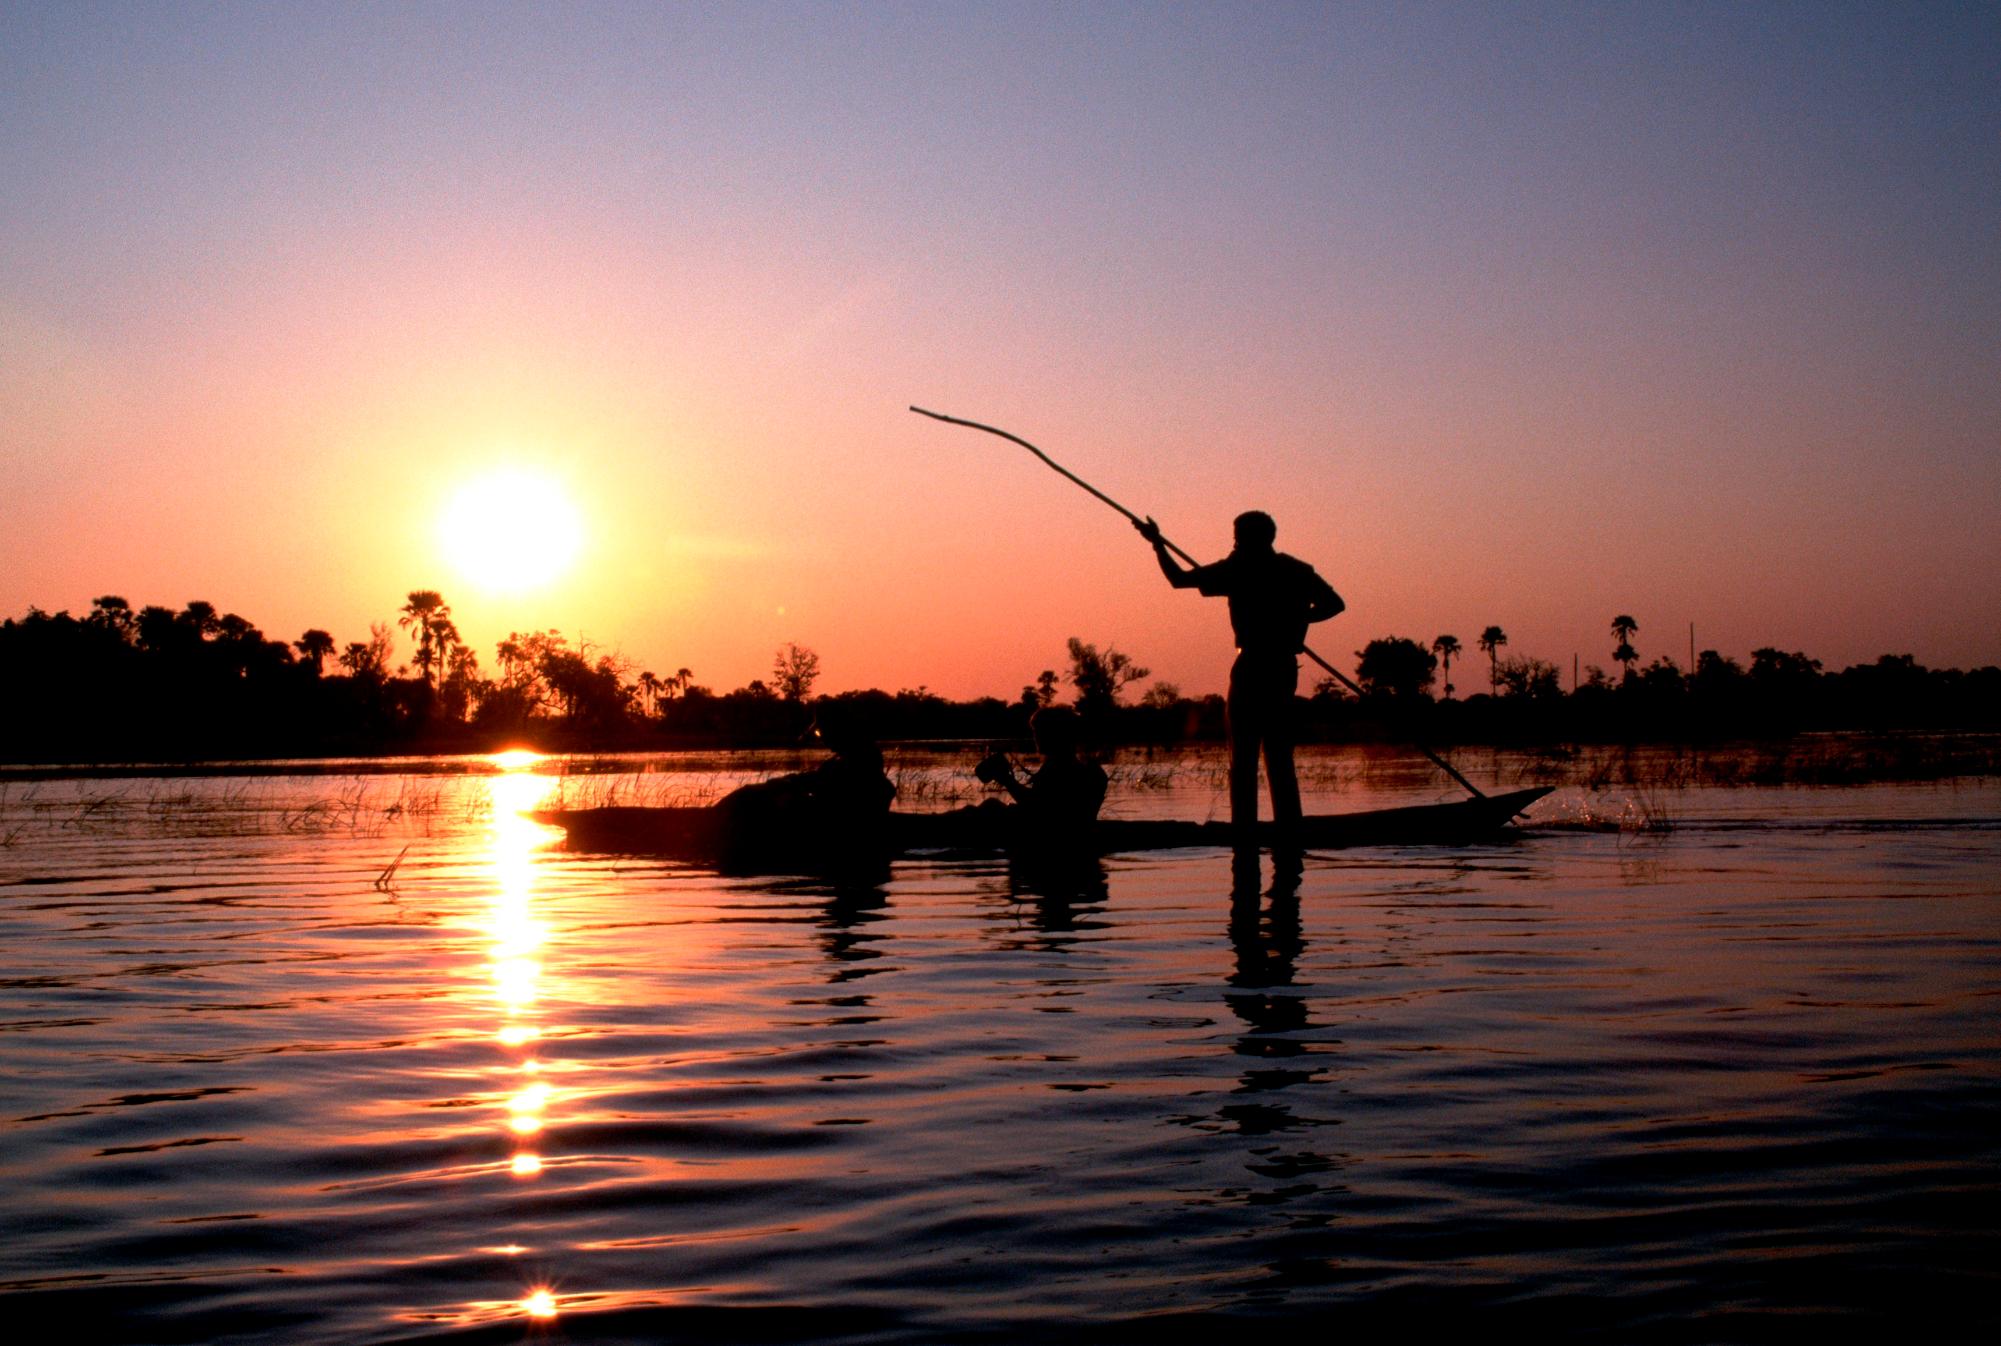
(363, 1057)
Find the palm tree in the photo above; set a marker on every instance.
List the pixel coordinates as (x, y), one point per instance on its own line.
(1623, 628)
(1491, 641)
(201, 618)
(315, 646)
(429, 620)
(650, 688)
(1447, 649)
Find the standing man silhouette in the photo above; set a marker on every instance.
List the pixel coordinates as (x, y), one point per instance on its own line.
(1273, 598)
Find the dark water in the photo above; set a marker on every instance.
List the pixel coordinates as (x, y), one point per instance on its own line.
(1737, 1082)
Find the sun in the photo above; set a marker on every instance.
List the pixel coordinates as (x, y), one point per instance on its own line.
(511, 530)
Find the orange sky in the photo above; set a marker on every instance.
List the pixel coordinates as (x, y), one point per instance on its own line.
(1514, 322)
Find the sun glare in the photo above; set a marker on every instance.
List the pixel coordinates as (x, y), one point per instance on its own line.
(511, 531)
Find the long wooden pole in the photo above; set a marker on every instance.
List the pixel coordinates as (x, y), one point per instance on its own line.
(1306, 650)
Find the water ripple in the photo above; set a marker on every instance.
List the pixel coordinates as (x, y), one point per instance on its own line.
(1739, 1083)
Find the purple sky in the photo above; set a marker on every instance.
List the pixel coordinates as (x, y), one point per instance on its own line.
(1527, 315)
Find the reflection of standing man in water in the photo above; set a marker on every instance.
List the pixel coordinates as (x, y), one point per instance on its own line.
(1273, 598)
(1267, 945)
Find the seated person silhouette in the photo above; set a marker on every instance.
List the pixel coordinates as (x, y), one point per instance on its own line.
(1056, 805)
(839, 807)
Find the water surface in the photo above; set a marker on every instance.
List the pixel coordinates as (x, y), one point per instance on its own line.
(1733, 1081)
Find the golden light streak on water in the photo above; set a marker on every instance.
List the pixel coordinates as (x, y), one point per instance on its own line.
(516, 982)
(515, 792)
(516, 936)
(540, 1304)
(527, 1107)
(516, 941)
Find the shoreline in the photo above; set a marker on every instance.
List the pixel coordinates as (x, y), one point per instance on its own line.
(1828, 757)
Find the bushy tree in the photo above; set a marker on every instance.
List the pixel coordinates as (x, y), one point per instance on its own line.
(794, 670)
(1536, 679)
(1717, 674)
(1395, 667)
(1782, 671)
(591, 695)
(368, 660)
(1099, 678)
(112, 613)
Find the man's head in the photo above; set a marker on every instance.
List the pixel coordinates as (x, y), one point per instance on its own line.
(839, 730)
(1056, 731)
(1255, 531)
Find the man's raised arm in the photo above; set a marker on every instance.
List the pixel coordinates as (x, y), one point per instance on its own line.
(1177, 575)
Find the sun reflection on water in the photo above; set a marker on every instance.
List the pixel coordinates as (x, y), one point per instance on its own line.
(517, 941)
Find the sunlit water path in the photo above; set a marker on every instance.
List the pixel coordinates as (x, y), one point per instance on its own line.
(1735, 1081)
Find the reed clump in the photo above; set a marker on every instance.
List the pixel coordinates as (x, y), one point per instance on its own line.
(344, 812)
(1840, 760)
(935, 785)
(692, 789)
(1830, 759)
(418, 803)
(244, 806)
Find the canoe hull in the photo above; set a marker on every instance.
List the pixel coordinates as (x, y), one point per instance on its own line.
(699, 834)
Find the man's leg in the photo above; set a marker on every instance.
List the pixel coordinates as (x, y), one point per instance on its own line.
(1278, 736)
(1246, 733)
(1284, 780)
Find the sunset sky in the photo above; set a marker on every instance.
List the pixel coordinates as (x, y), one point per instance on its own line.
(1528, 315)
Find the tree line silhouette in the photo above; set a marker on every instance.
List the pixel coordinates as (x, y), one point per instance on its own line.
(157, 683)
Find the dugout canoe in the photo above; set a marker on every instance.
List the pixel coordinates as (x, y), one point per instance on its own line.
(699, 834)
